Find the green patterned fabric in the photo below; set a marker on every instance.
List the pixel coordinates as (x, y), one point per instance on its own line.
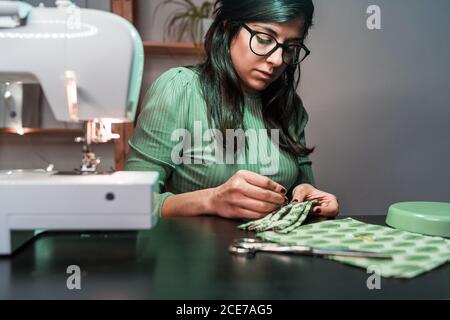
(413, 254)
(284, 220)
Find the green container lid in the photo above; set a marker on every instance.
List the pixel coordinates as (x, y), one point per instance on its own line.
(430, 218)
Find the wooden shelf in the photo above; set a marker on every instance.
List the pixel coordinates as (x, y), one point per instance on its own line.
(172, 48)
(55, 131)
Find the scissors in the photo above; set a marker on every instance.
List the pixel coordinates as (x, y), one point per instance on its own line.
(247, 246)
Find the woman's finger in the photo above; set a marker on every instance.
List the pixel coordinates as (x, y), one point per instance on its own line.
(317, 195)
(261, 194)
(257, 205)
(249, 214)
(300, 195)
(317, 210)
(261, 181)
(327, 209)
(329, 212)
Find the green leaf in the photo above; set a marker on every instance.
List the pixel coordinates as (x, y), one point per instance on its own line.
(187, 19)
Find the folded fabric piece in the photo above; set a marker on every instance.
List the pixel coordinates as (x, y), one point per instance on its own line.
(413, 254)
(284, 220)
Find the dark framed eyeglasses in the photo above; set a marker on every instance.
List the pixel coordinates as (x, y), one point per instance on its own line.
(263, 44)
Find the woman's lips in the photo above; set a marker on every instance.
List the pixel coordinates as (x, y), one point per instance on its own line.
(264, 75)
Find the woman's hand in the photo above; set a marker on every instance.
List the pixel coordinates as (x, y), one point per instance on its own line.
(246, 195)
(329, 205)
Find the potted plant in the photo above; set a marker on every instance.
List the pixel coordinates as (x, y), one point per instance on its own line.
(189, 22)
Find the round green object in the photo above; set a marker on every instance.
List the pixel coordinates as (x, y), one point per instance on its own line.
(430, 218)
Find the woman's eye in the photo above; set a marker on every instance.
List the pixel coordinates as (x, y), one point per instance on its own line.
(293, 50)
(264, 39)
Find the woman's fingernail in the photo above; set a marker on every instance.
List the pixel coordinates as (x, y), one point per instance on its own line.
(295, 201)
(318, 211)
(286, 200)
(283, 191)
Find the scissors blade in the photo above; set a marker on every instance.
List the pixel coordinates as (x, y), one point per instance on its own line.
(350, 253)
(255, 245)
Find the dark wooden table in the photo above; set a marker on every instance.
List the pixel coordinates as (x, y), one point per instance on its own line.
(187, 258)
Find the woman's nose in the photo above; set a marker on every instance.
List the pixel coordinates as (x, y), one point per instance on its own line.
(276, 58)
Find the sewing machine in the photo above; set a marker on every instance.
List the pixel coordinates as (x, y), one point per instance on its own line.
(89, 65)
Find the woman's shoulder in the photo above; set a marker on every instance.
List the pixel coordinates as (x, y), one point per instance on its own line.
(180, 75)
(173, 89)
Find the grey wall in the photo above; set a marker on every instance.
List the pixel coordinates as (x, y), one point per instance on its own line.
(151, 24)
(153, 30)
(379, 100)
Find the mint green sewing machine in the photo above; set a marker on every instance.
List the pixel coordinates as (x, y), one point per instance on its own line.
(89, 64)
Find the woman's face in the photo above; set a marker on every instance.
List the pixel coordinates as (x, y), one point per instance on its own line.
(258, 72)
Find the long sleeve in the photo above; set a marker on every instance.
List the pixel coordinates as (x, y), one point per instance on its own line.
(151, 145)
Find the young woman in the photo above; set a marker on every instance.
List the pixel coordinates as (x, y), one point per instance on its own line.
(247, 85)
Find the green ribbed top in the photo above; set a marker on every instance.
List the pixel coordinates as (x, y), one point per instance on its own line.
(174, 111)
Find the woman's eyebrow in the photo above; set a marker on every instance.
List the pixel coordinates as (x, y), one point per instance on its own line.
(270, 30)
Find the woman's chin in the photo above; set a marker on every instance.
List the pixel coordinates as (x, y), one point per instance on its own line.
(257, 85)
